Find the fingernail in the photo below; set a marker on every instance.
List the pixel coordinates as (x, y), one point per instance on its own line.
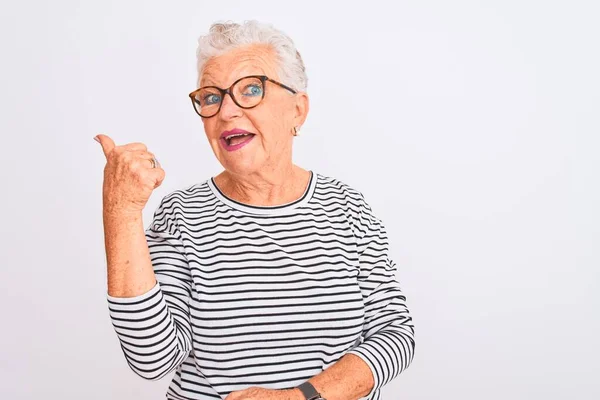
(96, 139)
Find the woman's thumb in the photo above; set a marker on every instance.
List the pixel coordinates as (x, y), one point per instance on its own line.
(106, 142)
(160, 178)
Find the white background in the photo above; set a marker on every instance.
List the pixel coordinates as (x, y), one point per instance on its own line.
(471, 127)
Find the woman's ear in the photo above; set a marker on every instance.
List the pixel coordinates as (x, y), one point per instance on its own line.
(301, 108)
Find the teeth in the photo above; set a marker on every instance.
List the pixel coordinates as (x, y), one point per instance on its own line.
(238, 134)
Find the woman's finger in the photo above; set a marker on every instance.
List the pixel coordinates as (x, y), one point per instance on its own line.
(159, 174)
(107, 144)
(135, 146)
(146, 155)
(153, 162)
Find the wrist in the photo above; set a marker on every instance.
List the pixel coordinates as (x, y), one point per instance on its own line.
(120, 217)
(294, 394)
(308, 391)
(120, 212)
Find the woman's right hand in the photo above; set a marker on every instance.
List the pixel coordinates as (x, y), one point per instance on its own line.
(129, 177)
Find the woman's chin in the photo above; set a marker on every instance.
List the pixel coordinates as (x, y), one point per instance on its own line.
(241, 165)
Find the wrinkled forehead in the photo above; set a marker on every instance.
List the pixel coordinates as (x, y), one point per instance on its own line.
(225, 69)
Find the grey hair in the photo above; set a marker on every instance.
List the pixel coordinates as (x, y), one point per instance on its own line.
(226, 36)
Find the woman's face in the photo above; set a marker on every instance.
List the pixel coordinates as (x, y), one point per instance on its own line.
(271, 122)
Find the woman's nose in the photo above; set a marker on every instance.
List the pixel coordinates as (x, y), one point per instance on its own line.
(229, 109)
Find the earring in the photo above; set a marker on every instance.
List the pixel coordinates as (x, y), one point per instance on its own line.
(296, 129)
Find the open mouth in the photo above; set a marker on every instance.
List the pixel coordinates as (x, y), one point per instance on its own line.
(237, 138)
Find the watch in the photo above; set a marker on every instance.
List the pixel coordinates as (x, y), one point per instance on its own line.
(309, 391)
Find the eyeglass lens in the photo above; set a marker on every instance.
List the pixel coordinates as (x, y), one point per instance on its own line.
(247, 93)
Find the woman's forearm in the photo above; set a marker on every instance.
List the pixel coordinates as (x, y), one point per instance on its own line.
(129, 267)
(349, 378)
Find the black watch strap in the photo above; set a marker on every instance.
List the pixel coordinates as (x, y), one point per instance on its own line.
(309, 391)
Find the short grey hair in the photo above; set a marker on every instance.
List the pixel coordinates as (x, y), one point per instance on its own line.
(226, 36)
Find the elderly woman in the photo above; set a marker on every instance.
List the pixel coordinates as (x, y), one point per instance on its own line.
(267, 281)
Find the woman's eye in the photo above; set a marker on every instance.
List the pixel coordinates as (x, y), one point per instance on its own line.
(253, 90)
(211, 99)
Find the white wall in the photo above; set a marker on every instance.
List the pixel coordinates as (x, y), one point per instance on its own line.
(471, 127)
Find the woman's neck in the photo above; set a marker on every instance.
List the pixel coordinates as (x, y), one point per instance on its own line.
(265, 188)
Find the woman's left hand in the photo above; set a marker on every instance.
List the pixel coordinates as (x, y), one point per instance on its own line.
(259, 393)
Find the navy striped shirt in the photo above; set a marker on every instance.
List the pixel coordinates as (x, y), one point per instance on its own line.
(265, 296)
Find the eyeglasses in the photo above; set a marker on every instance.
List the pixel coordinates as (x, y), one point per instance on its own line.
(246, 92)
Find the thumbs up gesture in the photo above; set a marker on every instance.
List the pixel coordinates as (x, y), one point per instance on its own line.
(130, 175)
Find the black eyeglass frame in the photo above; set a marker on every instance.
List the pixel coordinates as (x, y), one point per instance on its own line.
(223, 92)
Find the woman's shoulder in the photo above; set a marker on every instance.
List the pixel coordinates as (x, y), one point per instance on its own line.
(359, 211)
(340, 185)
(333, 186)
(195, 192)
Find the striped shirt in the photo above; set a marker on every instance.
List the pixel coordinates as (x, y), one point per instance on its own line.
(265, 296)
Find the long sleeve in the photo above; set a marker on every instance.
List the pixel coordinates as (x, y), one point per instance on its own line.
(388, 345)
(154, 328)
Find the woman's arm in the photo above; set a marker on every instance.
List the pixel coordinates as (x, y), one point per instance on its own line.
(154, 326)
(129, 267)
(148, 272)
(388, 331)
(389, 342)
(128, 183)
